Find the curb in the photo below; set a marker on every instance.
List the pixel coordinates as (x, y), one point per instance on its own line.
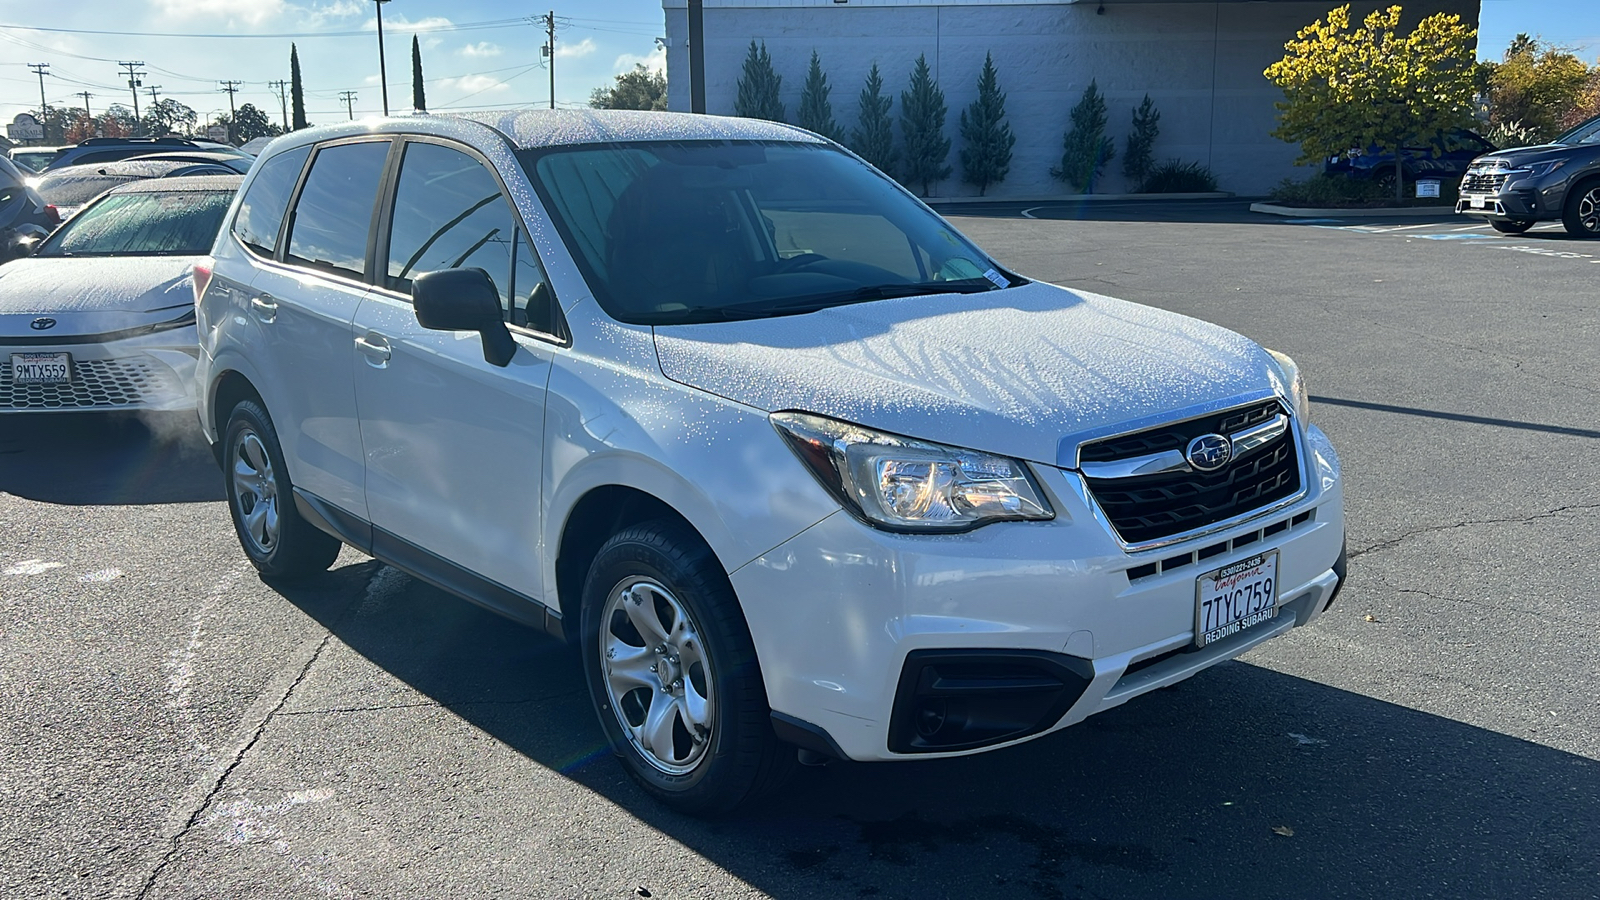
(1067, 199)
(1273, 209)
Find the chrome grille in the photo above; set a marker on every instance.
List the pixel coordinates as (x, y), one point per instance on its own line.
(1483, 182)
(96, 384)
(1145, 508)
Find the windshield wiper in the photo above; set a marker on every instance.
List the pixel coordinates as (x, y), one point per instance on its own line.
(813, 302)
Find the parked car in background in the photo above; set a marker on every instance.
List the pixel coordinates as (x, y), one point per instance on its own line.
(795, 463)
(1513, 189)
(25, 216)
(101, 317)
(33, 159)
(238, 163)
(1447, 164)
(70, 188)
(103, 150)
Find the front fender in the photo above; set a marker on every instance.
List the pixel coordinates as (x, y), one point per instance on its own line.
(612, 418)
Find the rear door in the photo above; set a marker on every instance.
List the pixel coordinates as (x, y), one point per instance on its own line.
(303, 303)
(453, 443)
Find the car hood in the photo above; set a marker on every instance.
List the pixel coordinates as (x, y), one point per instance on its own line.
(93, 295)
(1517, 157)
(1011, 372)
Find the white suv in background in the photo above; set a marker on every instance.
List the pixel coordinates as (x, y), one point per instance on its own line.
(797, 464)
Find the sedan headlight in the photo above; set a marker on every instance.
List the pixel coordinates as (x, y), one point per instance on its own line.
(908, 485)
(1295, 383)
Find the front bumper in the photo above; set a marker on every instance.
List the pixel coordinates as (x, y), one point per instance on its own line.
(1523, 200)
(842, 613)
(149, 372)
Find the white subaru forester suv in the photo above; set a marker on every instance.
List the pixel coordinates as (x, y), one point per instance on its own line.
(796, 464)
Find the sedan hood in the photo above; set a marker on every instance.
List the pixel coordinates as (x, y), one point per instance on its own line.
(92, 295)
(1010, 372)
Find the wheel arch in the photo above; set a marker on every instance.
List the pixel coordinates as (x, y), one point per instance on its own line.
(599, 513)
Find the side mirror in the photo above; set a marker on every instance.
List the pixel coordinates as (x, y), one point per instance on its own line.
(464, 300)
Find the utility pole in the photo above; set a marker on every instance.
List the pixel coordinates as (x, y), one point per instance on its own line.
(383, 74)
(283, 101)
(133, 85)
(348, 98)
(155, 95)
(550, 52)
(231, 87)
(41, 70)
(85, 95)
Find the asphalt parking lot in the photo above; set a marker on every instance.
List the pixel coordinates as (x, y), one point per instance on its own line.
(174, 727)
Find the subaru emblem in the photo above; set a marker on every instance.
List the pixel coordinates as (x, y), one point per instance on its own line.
(1209, 452)
(41, 323)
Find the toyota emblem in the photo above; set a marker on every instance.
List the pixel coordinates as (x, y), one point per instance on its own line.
(42, 323)
(1209, 452)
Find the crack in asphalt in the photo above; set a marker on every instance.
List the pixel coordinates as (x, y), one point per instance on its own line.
(222, 777)
(1391, 543)
(1499, 607)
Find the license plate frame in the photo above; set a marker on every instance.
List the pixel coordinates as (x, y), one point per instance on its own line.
(1254, 584)
(41, 368)
(1477, 201)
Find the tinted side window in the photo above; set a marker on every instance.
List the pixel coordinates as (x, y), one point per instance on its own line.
(261, 211)
(334, 212)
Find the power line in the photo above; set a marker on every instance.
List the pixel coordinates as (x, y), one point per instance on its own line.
(349, 99)
(459, 26)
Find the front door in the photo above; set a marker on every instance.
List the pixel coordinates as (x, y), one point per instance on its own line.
(454, 444)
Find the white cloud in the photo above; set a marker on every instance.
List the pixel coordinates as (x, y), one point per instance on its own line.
(471, 84)
(574, 51)
(481, 49)
(249, 12)
(393, 24)
(654, 61)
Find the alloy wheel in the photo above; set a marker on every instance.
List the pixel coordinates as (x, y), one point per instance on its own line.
(1589, 210)
(657, 675)
(255, 491)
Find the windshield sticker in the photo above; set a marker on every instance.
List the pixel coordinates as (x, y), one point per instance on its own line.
(998, 279)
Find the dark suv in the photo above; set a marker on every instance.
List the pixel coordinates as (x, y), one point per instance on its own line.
(100, 150)
(1515, 188)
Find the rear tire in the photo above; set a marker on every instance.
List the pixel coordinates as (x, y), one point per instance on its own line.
(1509, 226)
(279, 543)
(1581, 214)
(673, 673)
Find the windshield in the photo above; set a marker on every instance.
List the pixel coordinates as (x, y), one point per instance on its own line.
(33, 160)
(671, 233)
(1587, 133)
(177, 223)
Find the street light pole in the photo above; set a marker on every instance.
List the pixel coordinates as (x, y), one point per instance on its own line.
(383, 74)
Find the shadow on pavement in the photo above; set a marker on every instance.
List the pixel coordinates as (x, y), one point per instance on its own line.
(1241, 782)
(100, 459)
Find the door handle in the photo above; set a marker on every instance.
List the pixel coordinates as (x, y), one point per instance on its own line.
(375, 347)
(265, 308)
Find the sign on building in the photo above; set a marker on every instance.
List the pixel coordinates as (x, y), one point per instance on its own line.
(25, 128)
(218, 133)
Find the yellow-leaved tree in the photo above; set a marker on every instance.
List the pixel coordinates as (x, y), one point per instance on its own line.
(1374, 86)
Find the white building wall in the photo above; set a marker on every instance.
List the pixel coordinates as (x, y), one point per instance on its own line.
(1201, 62)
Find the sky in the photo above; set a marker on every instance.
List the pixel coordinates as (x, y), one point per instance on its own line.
(477, 54)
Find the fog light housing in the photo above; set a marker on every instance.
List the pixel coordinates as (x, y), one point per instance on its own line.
(963, 699)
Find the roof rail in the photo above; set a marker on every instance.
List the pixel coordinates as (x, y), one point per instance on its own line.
(125, 141)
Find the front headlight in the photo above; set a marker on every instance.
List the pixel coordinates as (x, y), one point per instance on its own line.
(908, 485)
(1295, 384)
(1540, 170)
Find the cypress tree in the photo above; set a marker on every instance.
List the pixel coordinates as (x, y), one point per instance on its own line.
(873, 139)
(419, 100)
(1138, 159)
(1085, 149)
(297, 91)
(758, 88)
(986, 156)
(816, 113)
(922, 113)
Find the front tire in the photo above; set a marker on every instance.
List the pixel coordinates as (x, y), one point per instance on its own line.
(279, 543)
(673, 672)
(1581, 214)
(1510, 226)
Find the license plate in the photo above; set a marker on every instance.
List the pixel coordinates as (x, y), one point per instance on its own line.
(1236, 597)
(1477, 201)
(41, 368)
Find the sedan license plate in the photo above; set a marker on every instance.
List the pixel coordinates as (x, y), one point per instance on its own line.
(41, 368)
(1236, 597)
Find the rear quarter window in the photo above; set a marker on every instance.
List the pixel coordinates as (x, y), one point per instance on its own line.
(264, 204)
